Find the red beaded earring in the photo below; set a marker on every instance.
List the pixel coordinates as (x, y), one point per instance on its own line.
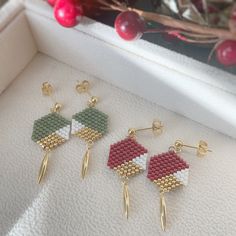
(169, 171)
(128, 158)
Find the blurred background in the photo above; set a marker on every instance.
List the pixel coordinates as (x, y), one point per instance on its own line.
(2, 1)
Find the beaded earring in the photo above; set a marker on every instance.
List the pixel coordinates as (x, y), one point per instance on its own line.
(90, 124)
(128, 158)
(50, 131)
(169, 171)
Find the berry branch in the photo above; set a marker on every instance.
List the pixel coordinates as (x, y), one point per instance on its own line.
(172, 22)
(213, 22)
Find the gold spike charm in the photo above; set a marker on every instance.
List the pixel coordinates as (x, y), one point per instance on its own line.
(126, 200)
(43, 167)
(163, 212)
(85, 163)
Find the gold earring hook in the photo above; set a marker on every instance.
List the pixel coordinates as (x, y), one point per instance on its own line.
(202, 147)
(83, 87)
(157, 128)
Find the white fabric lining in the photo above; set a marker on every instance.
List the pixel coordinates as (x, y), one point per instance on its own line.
(66, 205)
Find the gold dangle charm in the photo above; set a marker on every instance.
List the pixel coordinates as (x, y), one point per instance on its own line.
(163, 211)
(126, 197)
(85, 162)
(43, 167)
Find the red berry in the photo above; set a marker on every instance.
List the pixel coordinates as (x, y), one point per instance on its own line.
(226, 53)
(129, 25)
(51, 2)
(68, 13)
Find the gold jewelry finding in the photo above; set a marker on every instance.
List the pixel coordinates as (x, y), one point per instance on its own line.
(157, 128)
(83, 87)
(57, 107)
(47, 89)
(163, 211)
(202, 147)
(126, 198)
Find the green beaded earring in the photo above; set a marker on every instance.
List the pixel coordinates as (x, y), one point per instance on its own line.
(50, 131)
(90, 124)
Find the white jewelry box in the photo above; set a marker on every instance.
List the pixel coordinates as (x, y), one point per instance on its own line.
(34, 49)
(198, 91)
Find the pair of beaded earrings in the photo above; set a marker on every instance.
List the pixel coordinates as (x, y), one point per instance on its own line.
(127, 157)
(167, 170)
(52, 130)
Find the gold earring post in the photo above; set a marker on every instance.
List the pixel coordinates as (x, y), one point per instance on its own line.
(47, 90)
(157, 128)
(202, 147)
(83, 87)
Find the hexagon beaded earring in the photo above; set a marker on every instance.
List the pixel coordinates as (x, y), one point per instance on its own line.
(50, 131)
(169, 171)
(128, 158)
(89, 124)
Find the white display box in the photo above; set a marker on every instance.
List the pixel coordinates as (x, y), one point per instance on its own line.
(193, 100)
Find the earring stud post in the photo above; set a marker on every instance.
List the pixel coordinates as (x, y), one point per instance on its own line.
(202, 147)
(194, 147)
(143, 129)
(47, 89)
(83, 87)
(157, 128)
